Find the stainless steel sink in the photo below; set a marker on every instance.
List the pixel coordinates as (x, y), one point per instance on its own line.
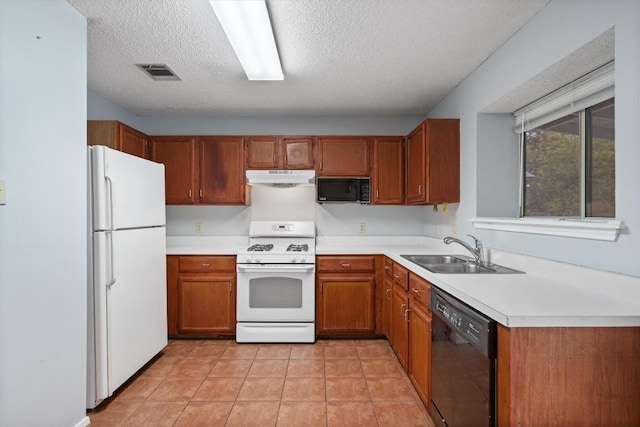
(456, 264)
(436, 259)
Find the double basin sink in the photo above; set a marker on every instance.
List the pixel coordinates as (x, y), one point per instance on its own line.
(457, 264)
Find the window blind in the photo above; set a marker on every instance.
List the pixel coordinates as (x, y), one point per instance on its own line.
(588, 90)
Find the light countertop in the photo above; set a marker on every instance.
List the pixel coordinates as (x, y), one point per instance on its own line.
(549, 294)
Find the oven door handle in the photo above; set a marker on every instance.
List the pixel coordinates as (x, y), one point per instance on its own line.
(288, 269)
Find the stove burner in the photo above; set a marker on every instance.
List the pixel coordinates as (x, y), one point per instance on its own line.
(298, 248)
(260, 248)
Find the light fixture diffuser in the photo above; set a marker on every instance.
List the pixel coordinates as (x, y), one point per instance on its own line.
(247, 26)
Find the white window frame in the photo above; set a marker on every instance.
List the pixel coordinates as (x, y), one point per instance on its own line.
(585, 92)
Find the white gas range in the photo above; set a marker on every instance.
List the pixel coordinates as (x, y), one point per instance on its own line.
(276, 283)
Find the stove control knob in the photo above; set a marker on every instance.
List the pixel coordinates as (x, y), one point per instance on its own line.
(294, 259)
(303, 259)
(249, 258)
(258, 259)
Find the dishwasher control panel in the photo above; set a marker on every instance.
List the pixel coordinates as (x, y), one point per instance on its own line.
(472, 325)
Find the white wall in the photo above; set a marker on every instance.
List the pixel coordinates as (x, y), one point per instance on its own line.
(295, 203)
(100, 108)
(43, 236)
(559, 29)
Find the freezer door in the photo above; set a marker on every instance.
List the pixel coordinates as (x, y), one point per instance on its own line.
(130, 303)
(128, 192)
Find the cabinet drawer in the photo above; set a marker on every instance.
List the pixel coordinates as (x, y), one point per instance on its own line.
(400, 276)
(203, 264)
(346, 263)
(420, 289)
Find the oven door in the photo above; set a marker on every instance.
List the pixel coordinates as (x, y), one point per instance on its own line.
(276, 293)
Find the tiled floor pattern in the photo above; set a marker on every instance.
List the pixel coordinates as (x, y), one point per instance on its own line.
(221, 383)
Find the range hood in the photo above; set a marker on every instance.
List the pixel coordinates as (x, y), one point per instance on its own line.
(280, 177)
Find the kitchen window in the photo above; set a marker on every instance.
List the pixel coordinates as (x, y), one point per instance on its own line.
(569, 165)
(567, 162)
(568, 150)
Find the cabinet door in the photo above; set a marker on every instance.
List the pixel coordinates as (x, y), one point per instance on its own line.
(400, 324)
(262, 152)
(343, 156)
(388, 171)
(387, 308)
(443, 160)
(345, 304)
(206, 304)
(433, 162)
(133, 142)
(297, 152)
(173, 277)
(222, 179)
(420, 350)
(178, 154)
(416, 166)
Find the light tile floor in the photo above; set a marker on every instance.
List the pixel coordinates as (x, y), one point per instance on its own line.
(221, 383)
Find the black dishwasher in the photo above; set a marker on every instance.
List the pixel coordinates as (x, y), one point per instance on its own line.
(463, 363)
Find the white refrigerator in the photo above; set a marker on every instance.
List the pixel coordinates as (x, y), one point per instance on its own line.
(127, 315)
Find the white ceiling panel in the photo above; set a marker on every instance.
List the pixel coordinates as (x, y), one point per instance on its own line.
(339, 57)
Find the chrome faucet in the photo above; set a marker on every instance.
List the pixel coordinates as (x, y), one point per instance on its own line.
(477, 251)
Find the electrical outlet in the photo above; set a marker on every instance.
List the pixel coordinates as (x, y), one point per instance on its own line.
(198, 227)
(454, 231)
(363, 227)
(3, 192)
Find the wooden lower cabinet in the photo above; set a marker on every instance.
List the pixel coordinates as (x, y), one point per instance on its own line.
(345, 304)
(201, 295)
(400, 325)
(568, 376)
(420, 349)
(345, 295)
(206, 304)
(387, 300)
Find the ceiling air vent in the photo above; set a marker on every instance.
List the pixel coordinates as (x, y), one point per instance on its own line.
(158, 71)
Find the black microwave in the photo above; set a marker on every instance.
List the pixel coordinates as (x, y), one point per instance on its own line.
(343, 190)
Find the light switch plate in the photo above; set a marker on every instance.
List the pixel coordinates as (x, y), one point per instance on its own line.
(3, 191)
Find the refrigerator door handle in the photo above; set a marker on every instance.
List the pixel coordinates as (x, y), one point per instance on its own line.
(112, 268)
(111, 185)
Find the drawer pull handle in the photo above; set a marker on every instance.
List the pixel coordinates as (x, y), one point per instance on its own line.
(386, 267)
(205, 265)
(344, 265)
(416, 290)
(388, 294)
(397, 276)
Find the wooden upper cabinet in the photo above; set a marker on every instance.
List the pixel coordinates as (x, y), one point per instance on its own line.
(342, 156)
(222, 179)
(286, 152)
(296, 152)
(433, 162)
(178, 154)
(262, 152)
(118, 136)
(388, 171)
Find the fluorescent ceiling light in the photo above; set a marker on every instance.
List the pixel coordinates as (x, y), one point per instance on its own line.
(247, 25)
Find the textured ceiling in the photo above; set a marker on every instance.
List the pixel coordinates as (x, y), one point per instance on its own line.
(339, 57)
